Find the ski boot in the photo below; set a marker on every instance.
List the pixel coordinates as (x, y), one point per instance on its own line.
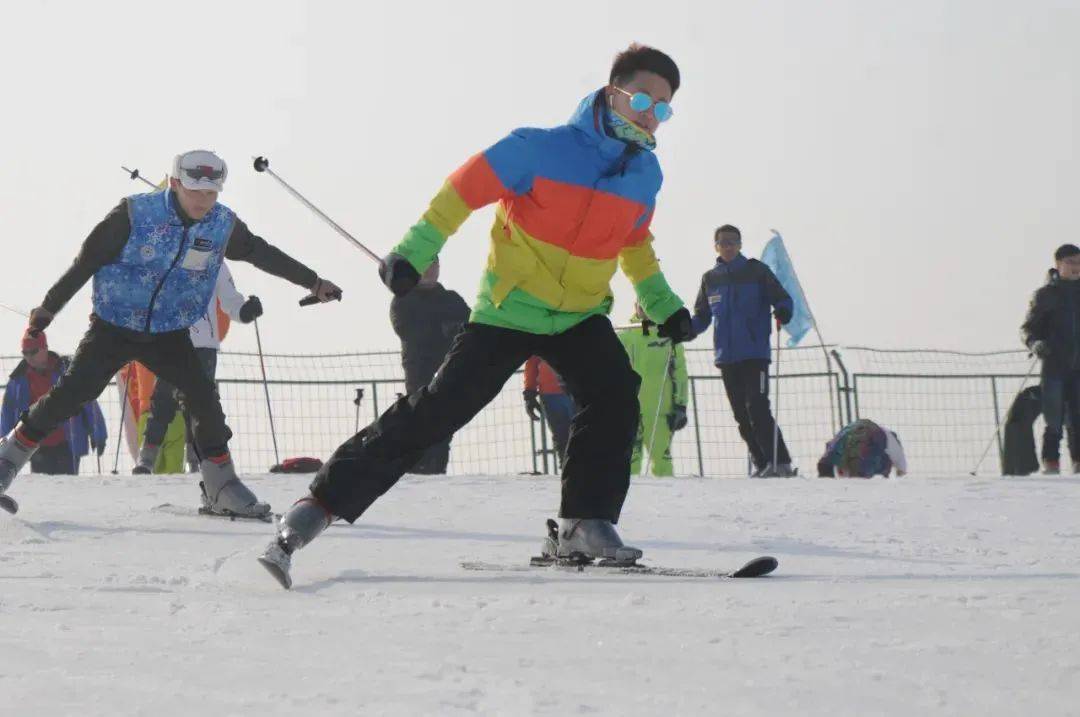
(582, 540)
(1051, 467)
(147, 458)
(224, 494)
(302, 524)
(14, 454)
(781, 470)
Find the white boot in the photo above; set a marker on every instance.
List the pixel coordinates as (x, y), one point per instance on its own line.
(147, 458)
(14, 454)
(593, 538)
(302, 524)
(225, 494)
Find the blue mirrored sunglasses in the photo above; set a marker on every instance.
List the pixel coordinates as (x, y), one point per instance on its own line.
(642, 101)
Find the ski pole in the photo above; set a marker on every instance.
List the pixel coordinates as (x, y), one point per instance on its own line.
(13, 310)
(656, 419)
(123, 414)
(1000, 423)
(776, 413)
(134, 174)
(262, 164)
(266, 389)
(356, 402)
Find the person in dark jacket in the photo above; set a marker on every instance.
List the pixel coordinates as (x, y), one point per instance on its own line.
(427, 320)
(1052, 332)
(736, 296)
(154, 260)
(59, 453)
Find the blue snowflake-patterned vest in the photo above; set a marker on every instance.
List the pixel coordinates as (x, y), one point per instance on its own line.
(165, 276)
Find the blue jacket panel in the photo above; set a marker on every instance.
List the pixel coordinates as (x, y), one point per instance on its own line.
(735, 298)
(165, 276)
(84, 429)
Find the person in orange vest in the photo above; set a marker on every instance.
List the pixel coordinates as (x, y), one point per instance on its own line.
(545, 394)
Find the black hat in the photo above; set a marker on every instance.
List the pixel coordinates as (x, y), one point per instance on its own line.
(1065, 251)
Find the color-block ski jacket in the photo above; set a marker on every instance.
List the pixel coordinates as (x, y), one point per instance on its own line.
(573, 203)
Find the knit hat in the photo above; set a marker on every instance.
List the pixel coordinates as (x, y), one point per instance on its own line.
(34, 340)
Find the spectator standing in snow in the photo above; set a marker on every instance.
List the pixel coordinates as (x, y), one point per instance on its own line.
(1051, 331)
(662, 396)
(206, 336)
(736, 296)
(426, 320)
(545, 393)
(61, 450)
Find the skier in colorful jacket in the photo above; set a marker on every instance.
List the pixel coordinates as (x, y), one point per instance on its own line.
(154, 261)
(573, 203)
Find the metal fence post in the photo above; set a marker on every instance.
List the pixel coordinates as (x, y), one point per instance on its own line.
(997, 422)
(697, 427)
(375, 398)
(846, 389)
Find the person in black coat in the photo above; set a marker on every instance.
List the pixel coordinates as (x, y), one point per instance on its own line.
(1052, 332)
(426, 320)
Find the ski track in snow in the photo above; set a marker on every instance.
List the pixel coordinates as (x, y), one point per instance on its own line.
(947, 595)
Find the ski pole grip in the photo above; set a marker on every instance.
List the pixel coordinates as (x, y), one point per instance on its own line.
(309, 300)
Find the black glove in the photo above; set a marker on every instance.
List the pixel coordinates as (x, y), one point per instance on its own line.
(678, 327)
(783, 314)
(251, 310)
(398, 274)
(676, 420)
(40, 318)
(532, 404)
(99, 448)
(1041, 349)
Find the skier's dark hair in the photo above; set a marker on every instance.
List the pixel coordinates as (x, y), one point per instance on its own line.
(1065, 251)
(638, 58)
(727, 228)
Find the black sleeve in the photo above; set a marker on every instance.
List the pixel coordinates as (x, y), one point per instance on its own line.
(1035, 324)
(103, 246)
(701, 305)
(460, 310)
(245, 246)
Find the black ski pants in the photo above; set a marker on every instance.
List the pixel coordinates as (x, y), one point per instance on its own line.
(747, 386)
(589, 357)
(103, 351)
(166, 398)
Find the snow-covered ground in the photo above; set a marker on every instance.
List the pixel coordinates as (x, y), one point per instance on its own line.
(921, 595)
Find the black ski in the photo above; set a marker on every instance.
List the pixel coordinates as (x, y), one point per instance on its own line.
(173, 509)
(756, 568)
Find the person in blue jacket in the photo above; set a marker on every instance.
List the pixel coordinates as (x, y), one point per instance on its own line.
(39, 371)
(735, 297)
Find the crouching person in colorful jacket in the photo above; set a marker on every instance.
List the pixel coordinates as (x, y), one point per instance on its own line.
(574, 202)
(863, 449)
(60, 452)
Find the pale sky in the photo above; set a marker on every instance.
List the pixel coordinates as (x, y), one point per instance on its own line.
(918, 157)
